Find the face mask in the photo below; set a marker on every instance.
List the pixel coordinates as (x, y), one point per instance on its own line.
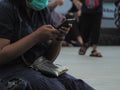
(37, 5)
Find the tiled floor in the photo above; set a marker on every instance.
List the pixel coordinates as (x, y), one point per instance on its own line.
(101, 73)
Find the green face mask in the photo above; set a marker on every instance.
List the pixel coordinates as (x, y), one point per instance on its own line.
(37, 4)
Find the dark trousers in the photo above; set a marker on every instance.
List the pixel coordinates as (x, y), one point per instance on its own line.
(38, 81)
(90, 27)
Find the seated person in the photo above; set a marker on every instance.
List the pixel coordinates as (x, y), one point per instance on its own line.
(26, 33)
(74, 37)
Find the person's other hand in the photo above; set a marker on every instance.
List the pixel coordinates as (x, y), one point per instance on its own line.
(63, 31)
(59, 2)
(78, 13)
(78, 4)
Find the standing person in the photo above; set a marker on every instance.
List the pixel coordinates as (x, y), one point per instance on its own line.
(57, 17)
(26, 33)
(73, 36)
(90, 22)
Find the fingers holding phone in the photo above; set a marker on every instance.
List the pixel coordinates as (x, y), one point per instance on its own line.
(66, 23)
(64, 28)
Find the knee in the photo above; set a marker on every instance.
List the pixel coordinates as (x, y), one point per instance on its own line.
(36, 82)
(15, 84)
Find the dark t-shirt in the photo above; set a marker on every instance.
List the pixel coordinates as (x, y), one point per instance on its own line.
(14, 27)
(97, 9)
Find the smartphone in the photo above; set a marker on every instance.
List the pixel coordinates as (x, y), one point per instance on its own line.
(66, 23)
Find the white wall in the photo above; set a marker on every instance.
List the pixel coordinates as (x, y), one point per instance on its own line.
(64, 8)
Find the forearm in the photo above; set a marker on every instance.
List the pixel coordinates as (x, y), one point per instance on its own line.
(53, 51)
(76, 0)
(78, 4)
(12, 51)
(52, 5)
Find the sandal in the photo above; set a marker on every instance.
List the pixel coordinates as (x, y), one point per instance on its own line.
(94, 53)
(83, 49)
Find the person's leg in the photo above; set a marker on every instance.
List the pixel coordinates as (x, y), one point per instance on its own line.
(85, 29)
(84, 26)
(39, 81)
(80, 40)
(95, 34)
(2, 86)
(72, 83)
(76, 33)
(72, 36)
(35, 79)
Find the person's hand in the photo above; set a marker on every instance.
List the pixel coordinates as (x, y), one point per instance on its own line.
(78, 4)
(59, 2)
(47, 32)
(63, 31)
(78, 13)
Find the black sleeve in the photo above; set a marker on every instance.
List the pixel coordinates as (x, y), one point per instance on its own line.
(6, 20)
